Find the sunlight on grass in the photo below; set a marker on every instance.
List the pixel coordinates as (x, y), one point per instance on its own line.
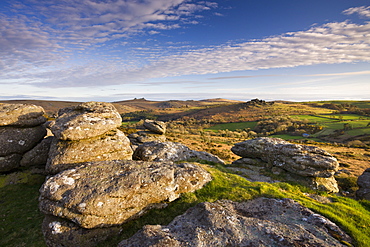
(233, 126)
(21, 220)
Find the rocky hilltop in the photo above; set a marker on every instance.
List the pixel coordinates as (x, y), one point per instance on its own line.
(99, 179)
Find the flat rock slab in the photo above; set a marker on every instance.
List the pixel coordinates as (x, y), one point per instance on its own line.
(20, 140)
(259, 222)
(86, 120)
(298, 159)
(21, 115)
(113, 145)
(107, 193)
(171, 151)
(158, 127)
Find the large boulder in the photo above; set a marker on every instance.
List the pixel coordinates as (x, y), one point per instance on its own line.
(20, 140)
(259, 222)
(108, 193)
(21, 115)
(171, 151)
(363, 183)
(158, 127)
(113, 145)
(307, 165)
(86, 120)
(298, 159)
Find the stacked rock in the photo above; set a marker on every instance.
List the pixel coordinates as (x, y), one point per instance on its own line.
(156, 131)
(309, 165)
(87, 132)
(21, 129)
(96, 186)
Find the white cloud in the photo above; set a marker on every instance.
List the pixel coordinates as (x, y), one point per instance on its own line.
(328, 44)
(332, 43)
(23, 44)
(363, 11)
(98, 21)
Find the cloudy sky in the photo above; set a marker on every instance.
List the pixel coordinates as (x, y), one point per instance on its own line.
(110, 50)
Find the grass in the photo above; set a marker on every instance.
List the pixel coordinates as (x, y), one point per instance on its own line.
(353, 216)
(359, 104)
(21, 220)
(19, 216)
(233, 126)
(315, 118)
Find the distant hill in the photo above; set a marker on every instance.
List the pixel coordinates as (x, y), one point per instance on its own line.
(126, 106)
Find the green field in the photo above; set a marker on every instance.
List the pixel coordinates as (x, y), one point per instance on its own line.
(233, 126)
(359, 104)
(351, 124)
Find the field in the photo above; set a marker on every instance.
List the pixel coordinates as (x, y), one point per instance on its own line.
(215, 126)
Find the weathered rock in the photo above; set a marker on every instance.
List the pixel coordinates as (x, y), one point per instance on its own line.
(171, 151)
(19, 140)
(307, 165)
(60, 233)
(86, 120)
(21, 115)
(298, 159)
(107, 193)
(10, 162)
(113, 145)
(363, 183)
(141, 137)
(37, 155)
(260, 222)
(158, 127)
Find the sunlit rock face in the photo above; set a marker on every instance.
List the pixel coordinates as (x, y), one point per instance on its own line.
(21, 115)
(87, 132)
(310, 165)
(112, 145)
(158, 127)
(171, 151)
(21, 129)
(259, 222)
(86, 120)
(108, 193)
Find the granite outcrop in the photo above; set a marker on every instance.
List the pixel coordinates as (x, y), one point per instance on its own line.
(309, 165)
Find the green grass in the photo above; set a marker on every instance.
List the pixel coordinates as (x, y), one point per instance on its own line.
(359, 104)
(129, 123)
(357, 132)
(233, 126)
(288, 137)
(315, 118)
(351, 215)
(19, 216)
(21, 220)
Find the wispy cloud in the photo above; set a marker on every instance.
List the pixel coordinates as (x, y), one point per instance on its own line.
(89, 21)
(363, 11)
(25, 40)
(366, 72)
(24, 44)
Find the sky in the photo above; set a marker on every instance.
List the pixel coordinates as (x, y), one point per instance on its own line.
(113, 50)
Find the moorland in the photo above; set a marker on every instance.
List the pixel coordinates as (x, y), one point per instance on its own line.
(340, 127)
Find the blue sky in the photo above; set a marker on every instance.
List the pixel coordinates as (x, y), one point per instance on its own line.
(111, 50)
